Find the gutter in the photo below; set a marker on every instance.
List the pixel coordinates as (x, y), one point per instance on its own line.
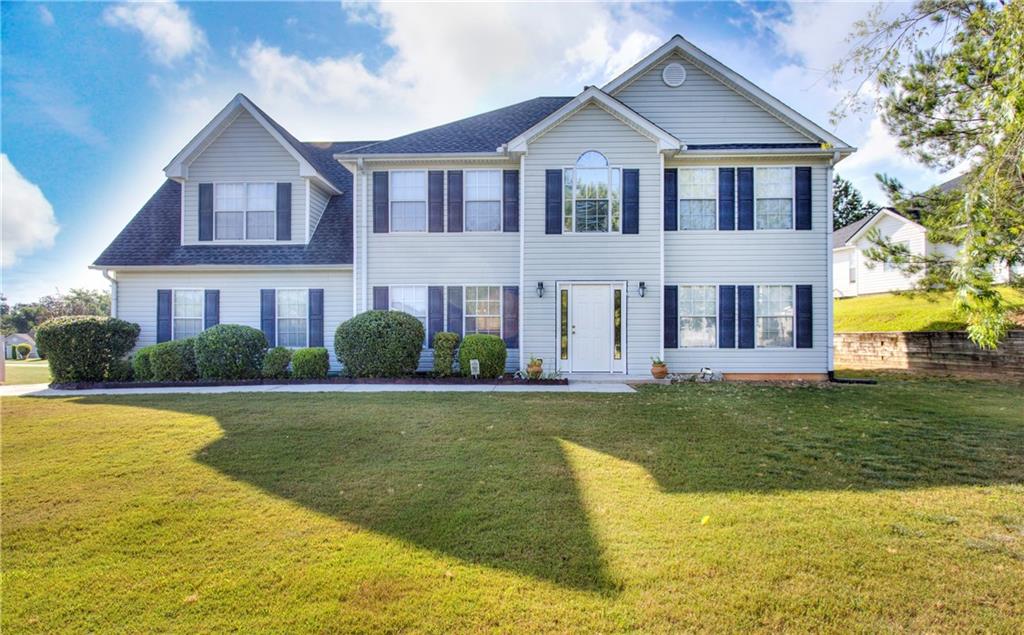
(499, 155)
(113, 291)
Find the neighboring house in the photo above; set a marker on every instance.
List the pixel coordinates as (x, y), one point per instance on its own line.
(11, 341)
(679, 211)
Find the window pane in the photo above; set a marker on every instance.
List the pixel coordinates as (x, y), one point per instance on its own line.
(697, 214)
(697, 332)
(409, 186)
(483, 216)
(698, 183)
(229, 197)
(291, 303)
(591, 216)
(773, 183)
(591, 159)
(774, 311)
(411, 300)
(698, 316)
(228, 225)
(262, 197)
(564, 326)
(616, 198)
(591, 183)
(617, 323)
(187, 327)
(291, 332)
(408, 216)
(483, 185)
(261, 225)
(483, 310)
(567, 200)
(188, 303)
(774, 213)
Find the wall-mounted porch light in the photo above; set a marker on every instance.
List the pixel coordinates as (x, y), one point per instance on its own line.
(642, 289)
(540, 289)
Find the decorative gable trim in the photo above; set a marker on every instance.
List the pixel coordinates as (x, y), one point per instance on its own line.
(879, 215)
(679, 44)
(593, 95)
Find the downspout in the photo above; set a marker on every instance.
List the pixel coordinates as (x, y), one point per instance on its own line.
(113, 292)
(830, 287)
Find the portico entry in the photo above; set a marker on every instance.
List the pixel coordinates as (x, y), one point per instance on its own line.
(591, 325)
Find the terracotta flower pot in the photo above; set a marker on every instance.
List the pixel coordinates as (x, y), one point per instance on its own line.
(535, 369)
(659, 371)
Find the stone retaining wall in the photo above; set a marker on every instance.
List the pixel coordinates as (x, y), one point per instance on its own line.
(935, 351)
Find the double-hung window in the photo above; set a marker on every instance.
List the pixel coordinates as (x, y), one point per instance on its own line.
(483, 310)
(410, 299)
(292, 317)
(698, 316)
(773, 198)
(408, 193)
(775, 317)
(188, 313)
(245, 211)
(698, 198)
(483, 201)
(592, 196)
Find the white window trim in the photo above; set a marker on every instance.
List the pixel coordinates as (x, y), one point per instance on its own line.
(792, 345)
(622, 206)
(679, 315)
(501, 307)
(426, 204)
(792, 208)
(426, 311)
(202, 304)
(245, 224)
(278, 318)
(465, 200)
(679, 199)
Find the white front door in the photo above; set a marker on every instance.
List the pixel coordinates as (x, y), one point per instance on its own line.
(591, 328)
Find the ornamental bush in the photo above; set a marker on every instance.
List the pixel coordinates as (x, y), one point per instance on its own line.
(120, 370)
(24, 349)
(445, 344)
(489, 349)
(230, 351)
(173, 361)
(275, 362)
(310, 363)
(379, 344)
(142, 368)
(82, 347)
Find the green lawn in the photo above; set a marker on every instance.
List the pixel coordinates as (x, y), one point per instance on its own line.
(27, 372)
(902, 312)
(896, 507)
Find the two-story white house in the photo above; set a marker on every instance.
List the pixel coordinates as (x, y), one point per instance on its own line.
(679, 211)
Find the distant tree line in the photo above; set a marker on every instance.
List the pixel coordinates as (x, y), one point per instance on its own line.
(24, 317)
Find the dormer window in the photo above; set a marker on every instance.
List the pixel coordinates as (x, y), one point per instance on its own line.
(593, 195)
(244, 211)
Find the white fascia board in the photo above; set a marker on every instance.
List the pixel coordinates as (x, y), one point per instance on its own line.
(773, 152)
(882, 213)
(666, 141)
(497, 155)
(730, 77)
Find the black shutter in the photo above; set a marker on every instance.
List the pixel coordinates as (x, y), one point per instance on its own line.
(671, 316)
(206, 211)
(163, 315)
(804, 318)
(727, 316)
(671, 199)
(455, 200)
(316, 317)
(726, 199)
(284, 211)
(380, 299)
(803, 198)
(510, 317)
(380, 202)
(553, 202)
(631, 201)
(745, 300)
(455, 310)
(211, 310)
(746, 196)
(268, 311)
(435, 200)
(510, 201)
(435, 313)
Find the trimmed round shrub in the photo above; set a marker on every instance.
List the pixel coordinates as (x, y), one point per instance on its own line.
(82, 347)
(230, 351)
(489, 349)
(275, 362)
(174, 361)
(142, 368)
(379, 344)
(445, 344)
(24, 349)
(310, 363)
(120, 370)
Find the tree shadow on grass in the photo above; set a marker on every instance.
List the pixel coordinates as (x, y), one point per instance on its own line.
(484, 478)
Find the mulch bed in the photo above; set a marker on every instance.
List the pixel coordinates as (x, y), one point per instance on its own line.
(417, 379)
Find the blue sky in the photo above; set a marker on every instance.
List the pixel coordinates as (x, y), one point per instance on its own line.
(97, 98)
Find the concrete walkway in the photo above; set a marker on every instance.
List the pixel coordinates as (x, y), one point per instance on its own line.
(42, 390)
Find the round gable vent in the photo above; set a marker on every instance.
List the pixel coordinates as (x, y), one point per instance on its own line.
(674, 75)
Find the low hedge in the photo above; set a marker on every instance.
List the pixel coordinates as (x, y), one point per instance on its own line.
(488, 349)
(230, 351)
(310, 363)
(83, 347)
(120, 370)
(379, 344)
(275, 362)
(174, 361)
(142, 367)
(23, 350)
(445, 344)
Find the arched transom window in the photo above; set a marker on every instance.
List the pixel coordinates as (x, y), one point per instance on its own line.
(592, 198)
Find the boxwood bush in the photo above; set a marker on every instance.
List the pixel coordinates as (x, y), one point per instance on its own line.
(23, 350)
(379, 344)
(310, 363)
(142, 368)
(230, 351)
(489, 349)
(120, 370)
(445, 344)
(275, 362)
(83, 347)
(173, 361)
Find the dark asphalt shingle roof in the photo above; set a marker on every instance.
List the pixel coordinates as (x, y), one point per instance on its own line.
(846, 232)
(480, 133)
(952, 184)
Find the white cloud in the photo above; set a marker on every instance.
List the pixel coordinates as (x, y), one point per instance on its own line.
(28, 219)
(166, 27)
(61, 109)
(45, 16)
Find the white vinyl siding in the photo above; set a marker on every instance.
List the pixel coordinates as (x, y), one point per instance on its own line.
(698, 198)
(187, 306)
(482, 310)
(698, 316)
(877, 277)
(292, 317)
(774, 193)
(482, 200)
(318, 200)
(408, 195)
(774, 316)
(889, 266)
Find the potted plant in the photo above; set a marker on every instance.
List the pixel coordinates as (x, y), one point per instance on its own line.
(535, 368)
(658, 368)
